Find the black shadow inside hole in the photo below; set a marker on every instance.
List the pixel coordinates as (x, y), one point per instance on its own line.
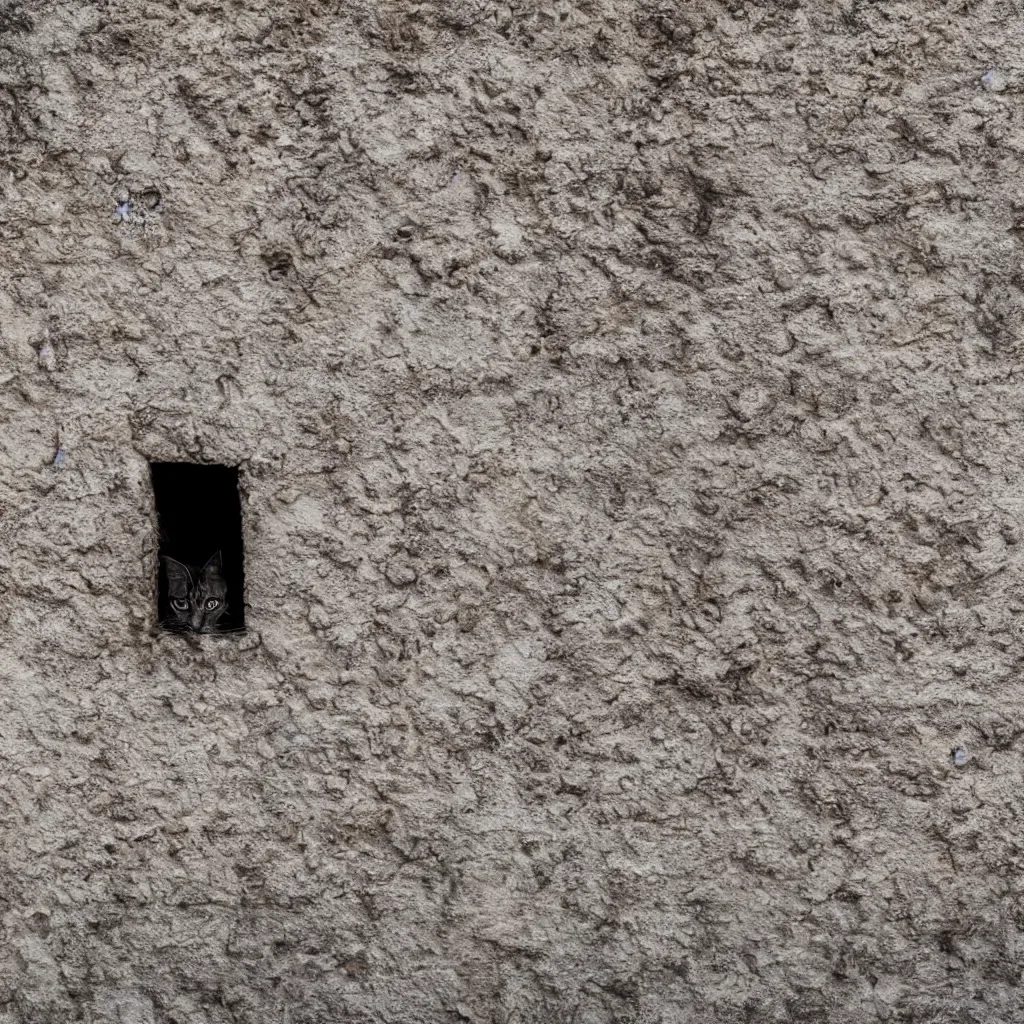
(198, 514)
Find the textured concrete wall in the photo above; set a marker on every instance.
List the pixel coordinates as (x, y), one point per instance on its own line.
(628, 403)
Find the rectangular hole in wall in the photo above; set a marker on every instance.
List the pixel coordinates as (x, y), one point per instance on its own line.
(201, 576)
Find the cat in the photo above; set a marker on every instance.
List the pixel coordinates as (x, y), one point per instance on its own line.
(197, 597)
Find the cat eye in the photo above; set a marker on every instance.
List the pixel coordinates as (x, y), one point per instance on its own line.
(211, 604)
(178, 605)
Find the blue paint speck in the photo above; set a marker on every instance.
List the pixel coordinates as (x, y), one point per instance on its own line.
(994, 80)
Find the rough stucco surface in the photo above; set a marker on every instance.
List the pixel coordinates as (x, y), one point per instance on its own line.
(627, 399)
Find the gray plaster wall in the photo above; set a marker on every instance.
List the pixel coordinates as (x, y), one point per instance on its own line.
(627, 398)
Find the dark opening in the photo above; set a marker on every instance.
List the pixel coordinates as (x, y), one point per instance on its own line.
(199, 515)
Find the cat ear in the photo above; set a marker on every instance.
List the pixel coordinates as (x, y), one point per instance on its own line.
(214, 565)
(178, 576)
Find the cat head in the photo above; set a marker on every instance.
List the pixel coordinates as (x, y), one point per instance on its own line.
(197, 599)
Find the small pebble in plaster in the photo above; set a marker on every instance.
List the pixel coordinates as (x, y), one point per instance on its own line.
(400, 574)
(994, 81)
(959, 757)
(47, 357)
